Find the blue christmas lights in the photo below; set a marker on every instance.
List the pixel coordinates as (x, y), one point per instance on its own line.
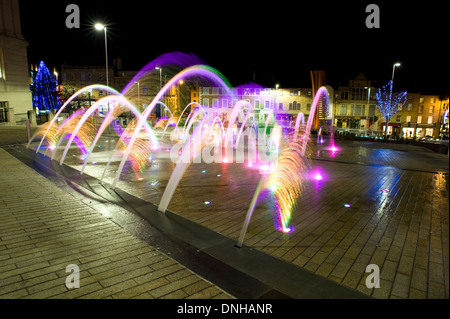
(45, 90)
(389, 104)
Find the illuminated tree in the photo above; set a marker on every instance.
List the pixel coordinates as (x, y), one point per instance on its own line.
(389, 103)
(45, 90)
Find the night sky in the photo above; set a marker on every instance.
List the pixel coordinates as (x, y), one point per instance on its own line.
(275, 42)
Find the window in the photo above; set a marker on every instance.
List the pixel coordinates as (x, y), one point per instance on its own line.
(257, 104)
(298, 106)
(267, 104)
(83, 76)
(421, 109)
(3, 112)
(308, 106)
(421, 100)
(290, 106)
(431, 110)
(432, 100)
(410, 107)
(430, 120)
(399, 118)
(280, 106)
(215, 102)
(205, 102)
(225, 103)
(419, 119)
(343, 110)
(408, 118)
(294, 105)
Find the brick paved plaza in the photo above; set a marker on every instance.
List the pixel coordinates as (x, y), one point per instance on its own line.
(43, 229)
(397, 219)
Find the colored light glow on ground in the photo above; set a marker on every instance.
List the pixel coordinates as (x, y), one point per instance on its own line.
(287, 230)
(207, 202)
(219, 175)
(347, 205)
(333, 148)
(318, 177)
(203, 172)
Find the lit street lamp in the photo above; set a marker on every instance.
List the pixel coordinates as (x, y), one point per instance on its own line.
(101, 27)
(390, 96)
(393, 71)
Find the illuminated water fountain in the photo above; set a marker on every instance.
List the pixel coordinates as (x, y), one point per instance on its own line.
(208, 135)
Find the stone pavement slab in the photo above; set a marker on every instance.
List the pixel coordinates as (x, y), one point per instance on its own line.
(43, 229)
(397, 219)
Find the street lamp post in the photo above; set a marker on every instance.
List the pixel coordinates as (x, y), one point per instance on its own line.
(139, 97)
(160, 87)
(368, 108)
(390, 97)
(101, 27)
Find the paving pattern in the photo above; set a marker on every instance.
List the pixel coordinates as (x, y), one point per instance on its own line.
(43, 229)
(397, 219)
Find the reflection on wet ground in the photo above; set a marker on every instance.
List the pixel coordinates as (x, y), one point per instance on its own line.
(374, 203)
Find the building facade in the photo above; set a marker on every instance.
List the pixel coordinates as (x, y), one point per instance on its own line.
(355, 105)
(15, 94)
(281, 104)
(422, 116)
